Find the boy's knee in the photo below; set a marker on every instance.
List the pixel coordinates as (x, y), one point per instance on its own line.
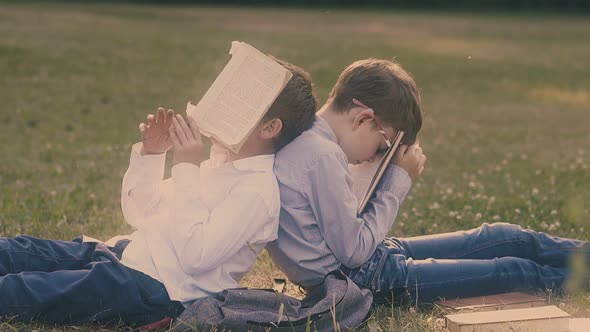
(502, 231)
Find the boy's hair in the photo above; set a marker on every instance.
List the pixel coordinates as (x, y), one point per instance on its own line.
(296, 105)
(384, 86)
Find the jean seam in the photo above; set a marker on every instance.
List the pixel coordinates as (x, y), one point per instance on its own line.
(462, 279)
(519, 239)
(377, 272)
(37, 255)
(491, 244)
(157, 295)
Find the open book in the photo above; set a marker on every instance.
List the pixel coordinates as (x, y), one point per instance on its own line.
(240, 96)
(369, 184)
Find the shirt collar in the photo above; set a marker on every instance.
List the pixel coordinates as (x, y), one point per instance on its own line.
(261, 163)
(218, 155)
(322, 127)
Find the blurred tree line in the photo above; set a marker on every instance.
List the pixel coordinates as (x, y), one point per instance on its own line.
(523, 5)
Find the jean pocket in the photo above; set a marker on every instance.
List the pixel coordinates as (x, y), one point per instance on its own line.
(365, 274)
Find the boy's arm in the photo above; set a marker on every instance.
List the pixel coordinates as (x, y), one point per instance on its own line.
(352, 239)
(142, 187)
(203, 238)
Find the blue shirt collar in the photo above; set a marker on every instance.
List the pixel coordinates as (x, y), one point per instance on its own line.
(322, 127)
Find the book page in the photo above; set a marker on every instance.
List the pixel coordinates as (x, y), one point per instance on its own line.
(379, 171)
(240, 96)
(362, 175)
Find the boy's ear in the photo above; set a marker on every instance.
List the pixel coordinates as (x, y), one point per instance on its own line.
(361, 117)
(271, 129)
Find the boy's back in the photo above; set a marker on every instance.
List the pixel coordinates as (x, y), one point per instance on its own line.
(319, 230)
(318, 208)
(298, 227)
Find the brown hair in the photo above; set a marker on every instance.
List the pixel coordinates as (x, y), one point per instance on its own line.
(295, 106)
(384, 86)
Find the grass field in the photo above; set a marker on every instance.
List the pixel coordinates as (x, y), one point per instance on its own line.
(506, 100)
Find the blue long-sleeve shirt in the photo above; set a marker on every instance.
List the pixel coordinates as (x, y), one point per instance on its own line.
(319, 229)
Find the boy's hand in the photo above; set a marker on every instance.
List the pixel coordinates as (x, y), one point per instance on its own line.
(188, 146)
(411, 159)
(155, 135)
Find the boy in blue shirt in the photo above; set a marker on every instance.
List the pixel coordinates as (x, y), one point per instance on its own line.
(320, 231)
(198, 232)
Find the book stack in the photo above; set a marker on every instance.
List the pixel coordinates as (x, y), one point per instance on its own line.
(505, 312)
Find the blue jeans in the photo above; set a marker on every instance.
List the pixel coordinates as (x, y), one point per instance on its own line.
(76, 282)
(491, 259)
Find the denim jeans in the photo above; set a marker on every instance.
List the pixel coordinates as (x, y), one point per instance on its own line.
(491, 259)
(77, 282)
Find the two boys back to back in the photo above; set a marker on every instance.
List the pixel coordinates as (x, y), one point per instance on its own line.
(201, 230)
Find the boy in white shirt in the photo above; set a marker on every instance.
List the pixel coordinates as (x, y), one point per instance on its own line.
(198, 232)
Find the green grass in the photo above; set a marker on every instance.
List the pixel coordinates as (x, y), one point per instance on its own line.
(506, 100)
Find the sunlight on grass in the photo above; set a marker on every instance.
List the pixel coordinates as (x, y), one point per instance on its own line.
(506, 103)
(562, 96)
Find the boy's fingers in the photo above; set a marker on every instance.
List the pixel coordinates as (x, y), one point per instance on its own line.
(174, 138)
(401, 150)
(184, 126)
(194, 128)
(399, 153)
(142, 127)
(179, 131)
(160, 116)
(150, 119)
(169, 116)
(411, 149)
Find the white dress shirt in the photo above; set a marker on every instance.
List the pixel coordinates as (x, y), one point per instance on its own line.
(199, 231)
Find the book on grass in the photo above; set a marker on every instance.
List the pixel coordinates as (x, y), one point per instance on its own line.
(240, 96)
(514, 300)
(537, 319)
(378, 174)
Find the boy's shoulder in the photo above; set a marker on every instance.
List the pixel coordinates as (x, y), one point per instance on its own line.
(318, 142)
(259, 180)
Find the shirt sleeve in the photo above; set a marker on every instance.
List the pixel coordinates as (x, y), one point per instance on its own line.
(205, 238)
(329, 189)
(143, 187)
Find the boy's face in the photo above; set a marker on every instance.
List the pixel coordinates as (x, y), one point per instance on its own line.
(365, 142)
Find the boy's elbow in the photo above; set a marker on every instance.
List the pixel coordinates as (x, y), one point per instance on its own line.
(355, 256)
(130, 212)
(353, 262)
(191, 261)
